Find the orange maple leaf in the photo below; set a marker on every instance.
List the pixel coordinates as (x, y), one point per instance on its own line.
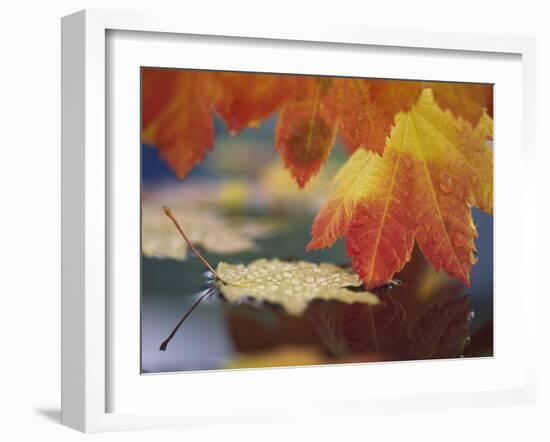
(368, 107)
(410, 177)
(469, 101)
(178, 123)
(177, 106)
(243, 100)
(363, 123)
(158, 87)
(419, 189)
(306, 129)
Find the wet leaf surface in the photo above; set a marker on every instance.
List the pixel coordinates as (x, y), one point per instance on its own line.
(292, 285)
(425, 316)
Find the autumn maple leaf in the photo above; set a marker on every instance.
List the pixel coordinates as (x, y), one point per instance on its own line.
(306, 129)
(367, 107)
(177, 116)
(243, 100)
(468, 101)
(363, 111)
(178, 108)
(433, 167)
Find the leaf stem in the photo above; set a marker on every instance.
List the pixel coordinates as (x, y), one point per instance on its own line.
(176, 328)
(170, 215)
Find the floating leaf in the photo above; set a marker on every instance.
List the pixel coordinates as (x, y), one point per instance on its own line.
(293, 285)
(208, 229)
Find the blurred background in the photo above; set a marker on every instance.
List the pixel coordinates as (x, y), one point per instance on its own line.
(240, 204)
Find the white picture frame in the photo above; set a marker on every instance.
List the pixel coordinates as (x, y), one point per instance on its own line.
(90, 172)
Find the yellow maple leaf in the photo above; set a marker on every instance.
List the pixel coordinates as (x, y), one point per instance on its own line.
(434, 165)
(292, 285)
(350, 184)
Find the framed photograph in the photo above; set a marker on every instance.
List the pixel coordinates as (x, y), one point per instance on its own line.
(264, 223)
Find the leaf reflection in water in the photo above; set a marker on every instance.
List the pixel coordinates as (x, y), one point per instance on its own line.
(425, 316)
(434, 321)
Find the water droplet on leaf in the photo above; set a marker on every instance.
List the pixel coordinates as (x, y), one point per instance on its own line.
(459, 239)
(445, 182)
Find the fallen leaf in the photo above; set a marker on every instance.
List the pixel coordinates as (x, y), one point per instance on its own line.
(292, 285)
(210, 230)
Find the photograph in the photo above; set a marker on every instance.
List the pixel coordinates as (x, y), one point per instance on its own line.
(303, 220)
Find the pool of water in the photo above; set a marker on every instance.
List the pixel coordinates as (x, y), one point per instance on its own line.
(210, 338)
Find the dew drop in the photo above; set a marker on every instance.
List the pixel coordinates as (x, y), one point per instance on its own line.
(445, 187)
(445, 182)
(408, 213)
(459, 239)
(406, 193)
(428, 227)
(408, 163)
